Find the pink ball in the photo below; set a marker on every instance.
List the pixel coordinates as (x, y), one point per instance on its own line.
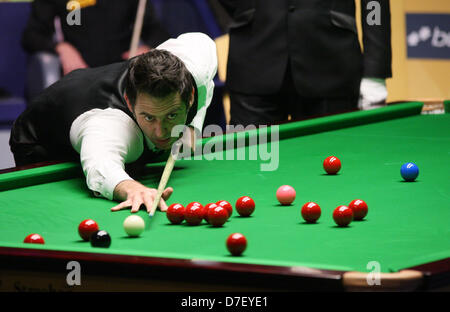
(286, 194)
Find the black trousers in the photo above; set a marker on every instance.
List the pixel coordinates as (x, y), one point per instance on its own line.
(275, 108)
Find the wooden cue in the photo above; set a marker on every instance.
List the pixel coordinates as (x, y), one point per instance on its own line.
(137, 28)
(165, 177)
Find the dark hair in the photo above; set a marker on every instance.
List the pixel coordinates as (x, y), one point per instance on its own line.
(158, 73)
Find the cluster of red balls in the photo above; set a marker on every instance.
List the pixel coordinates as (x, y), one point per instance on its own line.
(342, 215)
(216, 214)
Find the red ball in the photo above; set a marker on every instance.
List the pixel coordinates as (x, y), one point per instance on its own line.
(332, 164)
(194, 204)
(236, 244)
(175, 213)
(207, 207)
(245, 206)
(34, 239)
(285, 194)
(87, 228)
(359, 208)
(311, 212)
(217, 216)
(194, 213)
(226, 205)
(343, 215)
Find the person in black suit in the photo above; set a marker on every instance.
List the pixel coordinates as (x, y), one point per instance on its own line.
(103, 36)
(303, 58)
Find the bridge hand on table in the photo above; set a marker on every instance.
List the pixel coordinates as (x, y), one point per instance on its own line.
(133, 194)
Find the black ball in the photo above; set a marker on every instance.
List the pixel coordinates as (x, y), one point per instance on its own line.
(100, 239)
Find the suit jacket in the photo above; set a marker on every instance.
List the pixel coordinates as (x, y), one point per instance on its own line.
(316, 38)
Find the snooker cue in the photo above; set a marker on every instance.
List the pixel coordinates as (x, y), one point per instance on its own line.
(165, 177)
(137, 28)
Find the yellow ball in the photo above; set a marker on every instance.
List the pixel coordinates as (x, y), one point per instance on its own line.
(134, 225)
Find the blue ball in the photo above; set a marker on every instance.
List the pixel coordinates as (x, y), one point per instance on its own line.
(409, 171)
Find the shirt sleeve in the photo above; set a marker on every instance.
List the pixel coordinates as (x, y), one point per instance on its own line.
(205, 95)
(199, 54)
(106, 139)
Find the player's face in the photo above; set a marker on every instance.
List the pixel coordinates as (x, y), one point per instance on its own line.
(157, 116)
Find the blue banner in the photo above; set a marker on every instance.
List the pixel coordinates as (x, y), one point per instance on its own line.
(428, 36)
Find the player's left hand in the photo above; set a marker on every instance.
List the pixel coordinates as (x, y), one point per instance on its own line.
(133, 194)
(373, 93)
(140, 50)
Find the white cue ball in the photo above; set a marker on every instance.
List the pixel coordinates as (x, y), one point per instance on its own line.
(134, 225)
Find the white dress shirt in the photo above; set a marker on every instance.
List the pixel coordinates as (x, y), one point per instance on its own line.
(107, 139)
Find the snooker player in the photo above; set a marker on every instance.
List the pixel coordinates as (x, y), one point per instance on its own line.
(117, 114)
